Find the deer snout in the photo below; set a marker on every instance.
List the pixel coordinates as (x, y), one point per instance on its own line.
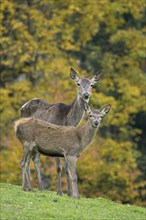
(86, 95)
(96, 123)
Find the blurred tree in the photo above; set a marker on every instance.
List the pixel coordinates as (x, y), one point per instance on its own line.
(40, 41)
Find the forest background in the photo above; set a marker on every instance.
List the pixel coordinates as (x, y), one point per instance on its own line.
(40, 41)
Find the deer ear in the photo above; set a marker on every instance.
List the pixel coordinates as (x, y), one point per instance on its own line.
(106, 109)
(96, 77)
(74, 75)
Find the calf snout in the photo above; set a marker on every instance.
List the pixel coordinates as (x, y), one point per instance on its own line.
(96, 123)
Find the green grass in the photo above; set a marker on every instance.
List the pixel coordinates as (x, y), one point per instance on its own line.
(46, 205)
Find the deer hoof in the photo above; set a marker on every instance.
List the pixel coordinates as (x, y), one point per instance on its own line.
(41, 188)
(24, 188)
(59, 193)
(69, 194)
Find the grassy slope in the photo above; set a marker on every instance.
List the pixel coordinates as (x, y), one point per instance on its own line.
(46, 205)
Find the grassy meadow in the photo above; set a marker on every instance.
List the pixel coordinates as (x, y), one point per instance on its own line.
(46, 205)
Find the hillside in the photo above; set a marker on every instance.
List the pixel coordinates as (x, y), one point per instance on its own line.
(46, 205)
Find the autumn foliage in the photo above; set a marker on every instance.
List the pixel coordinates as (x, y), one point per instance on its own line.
(40, 41)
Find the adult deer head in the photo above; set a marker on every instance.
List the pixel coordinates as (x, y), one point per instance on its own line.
(84, 84)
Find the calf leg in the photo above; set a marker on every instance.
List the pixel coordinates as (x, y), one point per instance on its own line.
(71, 163)
(59, 170)
(69, 192)
(28, 170)
(25, 177)
(36, 160)
(24, 181)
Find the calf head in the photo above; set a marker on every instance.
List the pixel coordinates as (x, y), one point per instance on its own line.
(96, 116)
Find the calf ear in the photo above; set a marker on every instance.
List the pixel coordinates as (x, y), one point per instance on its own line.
(96, 77)
(74, 75)
(106, 109)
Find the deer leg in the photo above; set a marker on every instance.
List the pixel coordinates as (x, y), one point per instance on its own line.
(28, 170)
(69, 192)
(28, 177)
(36, 160)
(71, 163)
(25, 177)
(59, 170)
(22, 164)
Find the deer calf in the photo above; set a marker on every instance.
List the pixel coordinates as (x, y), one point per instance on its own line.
(38, 136)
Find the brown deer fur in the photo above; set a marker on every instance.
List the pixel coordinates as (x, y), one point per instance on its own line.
(38, 136)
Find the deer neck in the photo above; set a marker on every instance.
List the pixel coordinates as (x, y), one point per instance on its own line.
(76, 112)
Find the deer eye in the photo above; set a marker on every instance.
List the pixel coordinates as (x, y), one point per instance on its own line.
(78, 84)
(92, 85)
(90, 116)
